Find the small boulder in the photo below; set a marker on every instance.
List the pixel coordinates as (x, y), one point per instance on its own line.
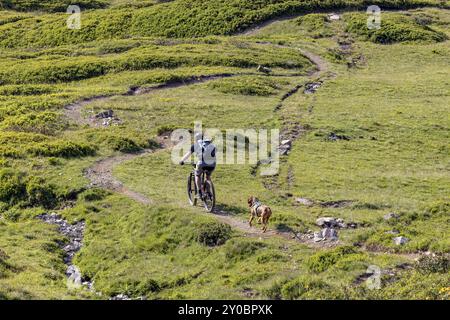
(400, 240)
(318, 236)
(327, 222)
(286, 142)
(329, 234)
(333, 17)
(391, 215)
(304, 201)
(105, 114)
(263, 69)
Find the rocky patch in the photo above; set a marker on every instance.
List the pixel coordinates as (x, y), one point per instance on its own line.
(330, 222)
(74, 232)
(312, 87)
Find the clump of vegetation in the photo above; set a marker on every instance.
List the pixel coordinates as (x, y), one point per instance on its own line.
(123, 144)
(40, 193)
(17, 188)
(63, 149)
(213, 233)
(321, 261)
(437, 209)
(302, 286)
(12, 187)
(94, 194)
(50, 5)
(45, 123)
(238, 249)
(438, 263)
(176, 19)
(394, 28)
(316, 24)
(250, 86)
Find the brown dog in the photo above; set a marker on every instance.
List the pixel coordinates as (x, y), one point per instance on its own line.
(260, 211)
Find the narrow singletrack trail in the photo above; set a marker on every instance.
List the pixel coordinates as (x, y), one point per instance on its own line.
(101, 173)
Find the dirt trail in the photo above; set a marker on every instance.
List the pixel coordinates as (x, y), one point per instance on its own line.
(101, 173)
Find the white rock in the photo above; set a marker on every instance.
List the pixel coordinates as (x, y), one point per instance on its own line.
(400, 240)
(304, 201)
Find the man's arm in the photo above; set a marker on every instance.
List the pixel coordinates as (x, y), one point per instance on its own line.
(187, 155)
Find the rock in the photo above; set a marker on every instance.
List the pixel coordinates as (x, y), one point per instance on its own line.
(400, 240)
(333, 17)
(263, 69)
(286, 142)
(329, 234)
(312, 87)
(105, 114)
(74, 275)
(335, 137)
(318, 236)
(304, 201)
(327, 222)
(391, 215)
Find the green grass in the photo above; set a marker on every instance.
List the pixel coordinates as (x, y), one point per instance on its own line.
(175, 19)
(392, 107)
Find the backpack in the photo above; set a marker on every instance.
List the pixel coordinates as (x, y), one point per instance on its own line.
(206, 153)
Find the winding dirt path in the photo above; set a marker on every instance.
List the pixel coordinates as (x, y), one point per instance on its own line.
(101, 173)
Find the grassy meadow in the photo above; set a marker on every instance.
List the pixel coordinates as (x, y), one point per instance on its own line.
(384, 95)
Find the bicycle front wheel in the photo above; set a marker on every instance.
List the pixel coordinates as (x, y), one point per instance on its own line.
(209, 199)
(191, 190)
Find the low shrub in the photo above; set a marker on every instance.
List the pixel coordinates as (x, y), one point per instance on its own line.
(394, 28)
(321, 261)
(439, 263)
(213, 233)
(299, 287)
(94, 194)
(12, 187)
(40, 193)
(123, 144)
(50, 5)
(316, 24)
(61, 148)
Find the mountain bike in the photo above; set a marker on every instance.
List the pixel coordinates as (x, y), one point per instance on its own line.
(209, 194)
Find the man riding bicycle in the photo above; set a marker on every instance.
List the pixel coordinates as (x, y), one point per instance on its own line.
(205, 151)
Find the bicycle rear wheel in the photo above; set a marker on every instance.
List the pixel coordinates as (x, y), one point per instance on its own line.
(209, 199)
(191, 190)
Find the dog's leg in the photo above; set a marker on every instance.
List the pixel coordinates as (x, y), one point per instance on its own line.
(251, 219)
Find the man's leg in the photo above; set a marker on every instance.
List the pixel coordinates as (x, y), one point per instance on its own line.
(198, 174)
(198, 184)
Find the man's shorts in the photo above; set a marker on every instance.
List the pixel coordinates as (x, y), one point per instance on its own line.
(200, 168)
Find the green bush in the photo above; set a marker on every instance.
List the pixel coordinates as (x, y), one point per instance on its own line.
(44, 123)
(213, 233)
(437, 209)
(297, 288)
(321, 261)
(439, 263)
(394, 28)
(316, 24)
(94, 194)
(123, 144)
(50, 5)
(176, 19)
(12, 187)
(64, 149)
(40, 193)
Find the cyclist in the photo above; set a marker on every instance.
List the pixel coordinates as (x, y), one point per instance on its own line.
(205, 151)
